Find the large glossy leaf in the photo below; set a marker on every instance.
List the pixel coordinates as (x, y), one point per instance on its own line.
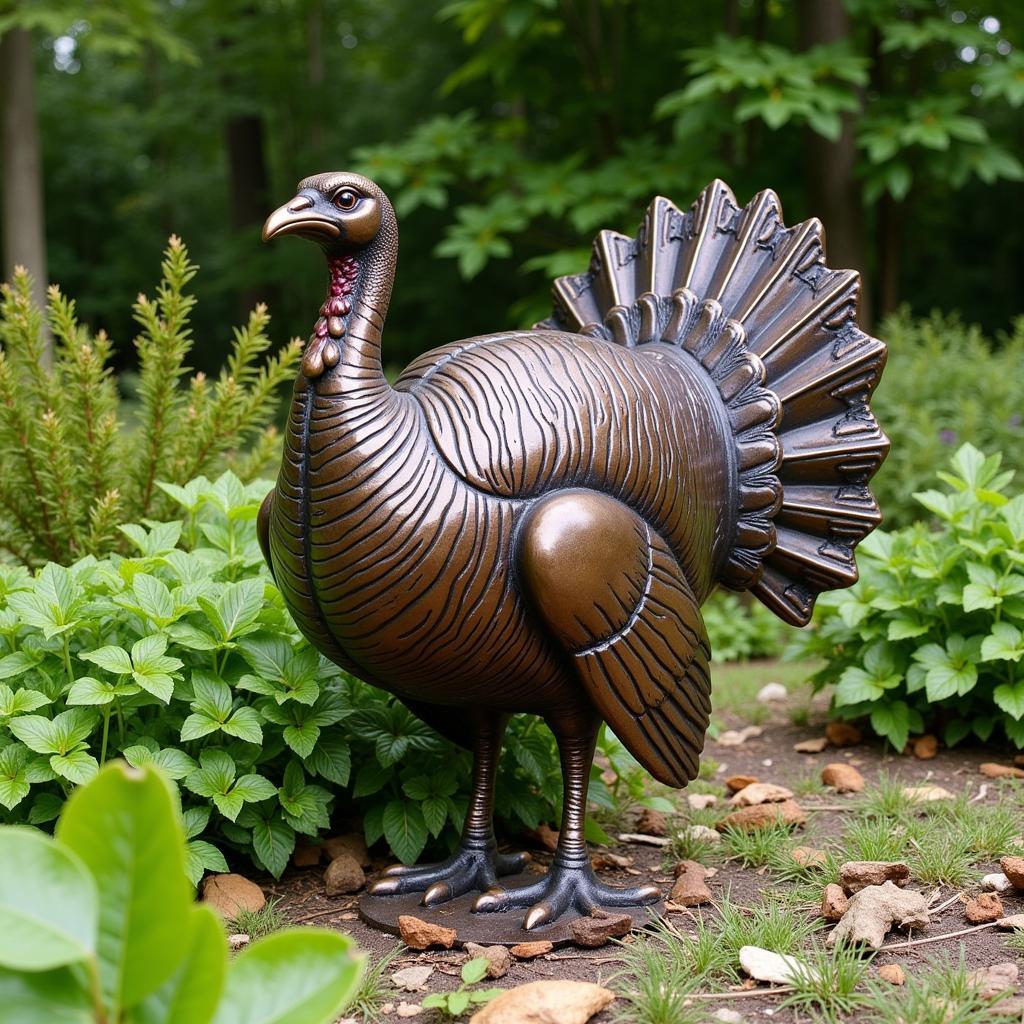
(48, 904)
(125, 828)
(293, 977)
(191, 994)
(44, 997)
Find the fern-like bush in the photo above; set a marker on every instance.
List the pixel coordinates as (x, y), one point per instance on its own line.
(932, 636)
(74, 464)
(182, 654)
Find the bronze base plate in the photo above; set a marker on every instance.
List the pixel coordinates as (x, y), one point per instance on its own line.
(495, 929)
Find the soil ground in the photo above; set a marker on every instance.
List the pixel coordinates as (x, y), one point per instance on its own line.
(770, 757)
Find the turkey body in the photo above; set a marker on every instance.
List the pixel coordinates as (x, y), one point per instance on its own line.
(420, 498)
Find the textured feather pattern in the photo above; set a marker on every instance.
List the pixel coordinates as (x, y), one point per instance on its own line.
(755, 303)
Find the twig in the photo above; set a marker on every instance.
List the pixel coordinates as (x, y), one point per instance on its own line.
(948, 903)
(750, 993)
(896, 947)
(320, 913)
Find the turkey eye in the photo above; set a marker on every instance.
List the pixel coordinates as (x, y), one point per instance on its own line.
(346, 199)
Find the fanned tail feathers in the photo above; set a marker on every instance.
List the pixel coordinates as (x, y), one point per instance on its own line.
(776, 330)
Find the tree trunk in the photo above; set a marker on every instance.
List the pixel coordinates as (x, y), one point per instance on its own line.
(834, 190)
(24, 228)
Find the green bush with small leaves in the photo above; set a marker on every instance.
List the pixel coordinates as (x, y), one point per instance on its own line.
(455, 1004)
(932, 636)
(741, 630)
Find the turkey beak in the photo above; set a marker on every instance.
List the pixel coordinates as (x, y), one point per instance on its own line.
(297, 217)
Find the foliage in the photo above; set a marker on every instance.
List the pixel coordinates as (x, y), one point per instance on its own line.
(740, 630)
(183, 655)
(99, 925)
(454, 1004)
(933, 634)
(73, 469)
(965, 388)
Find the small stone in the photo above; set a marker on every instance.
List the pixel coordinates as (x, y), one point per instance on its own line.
(596, 930)
(727, 1016)
(306, 855)
(238, 941)
(1013, 868)
(335, 326)
(531, 950)
(771, 692)
(605, 860)
(546, 1002)
(991, 770)
(876, 909)
(808, 857)
(737, 782)
(353, 844)
(690, 889)
(701, 801)
(343, 875)
(855, 875)
(892, 973)
(990, 981)
(764, 965)
(925, 747)
(833, 902)
(412, 979)
(748, 819)
(702, 833)
(983, 908)
(408, 1009)
(547, 837)
(652, 823)
(842, 734)
(498, 958)
(737, 737)
(1011, 923)
(926, 794)
(996, 882)
(230, 894)
(815, 746)
(761, 793)
(843, 778)
(418, 934)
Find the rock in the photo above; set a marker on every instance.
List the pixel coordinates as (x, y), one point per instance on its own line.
(892, 973)
(412, 979)
(874, 910)
(343, 875)
(737, 737)
(843, 778)
(701, 801)
(545, 1002)
(1013, 868)
(991, 770)
(652, 823)
(408, 1009)
(764, 965)
(771, 692)
(1011, 923)
(924, 747)
(748, 819)
(833, 902)
(238, 941)
(530, 950)
(842, 734)
(306, 855)
(990, 981)
(996, 882)
(727, 1016)
(352, 844)
(230, 894)
(690, 888)
(498, 958)
(737, 782)
(808, 857)
(547, 837)
(596, 930)
(418, 934)
(605, 860)
(703, 833)
(815, 746)
(986, 907)
(926, 794)
(855, 875)
(760, 793)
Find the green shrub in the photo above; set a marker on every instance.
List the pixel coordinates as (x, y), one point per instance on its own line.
(99, 926)
(183, 655)
(932, 635)
(73, 467)
(945, 385)
(741, 630)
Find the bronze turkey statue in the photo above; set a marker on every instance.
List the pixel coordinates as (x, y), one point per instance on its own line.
(530, 521)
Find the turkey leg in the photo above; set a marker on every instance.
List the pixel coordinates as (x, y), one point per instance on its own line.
(476, 864)
(570, 883)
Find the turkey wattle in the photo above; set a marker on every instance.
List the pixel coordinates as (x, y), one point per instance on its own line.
(529, 521)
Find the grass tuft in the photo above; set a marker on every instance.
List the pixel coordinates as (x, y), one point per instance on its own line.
(828, 982)
(258, 923)
(374, 987)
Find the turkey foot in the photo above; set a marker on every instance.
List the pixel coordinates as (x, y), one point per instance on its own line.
(567, 886)
(472, 867)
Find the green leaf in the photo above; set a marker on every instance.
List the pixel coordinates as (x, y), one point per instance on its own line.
(474, 970)
(124, 826)
(273, 840)
(48, 904)
(892, 720)
(20, 702)
(36, 732)
(1009, 697)
(404, 829)
(253, 788)
(44, 997)
(113, 659)
(200, 857)
(457, 1003)
(78, 766)
(301, 976)
(1006, 643)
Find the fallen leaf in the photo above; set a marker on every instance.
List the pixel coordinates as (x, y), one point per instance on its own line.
(876, 909)
(546, 1002)
(926, 794)
(635, 837)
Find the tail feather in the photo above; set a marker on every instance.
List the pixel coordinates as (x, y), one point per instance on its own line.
(755, 303)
